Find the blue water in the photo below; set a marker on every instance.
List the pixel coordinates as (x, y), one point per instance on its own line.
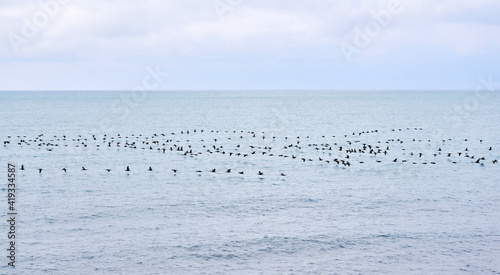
(429, 214)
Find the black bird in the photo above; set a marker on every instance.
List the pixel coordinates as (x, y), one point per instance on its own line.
(108, 170)
(64, 169)
(83, 168)
(175, 170)
(228, 171)
(39, 170)
(241, 172)
(260, 173)
(22, 167)
(213, 171)
(150, 169)
(127, 169)
(282, 174)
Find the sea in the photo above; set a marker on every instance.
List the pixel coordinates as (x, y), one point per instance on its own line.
(251, 182)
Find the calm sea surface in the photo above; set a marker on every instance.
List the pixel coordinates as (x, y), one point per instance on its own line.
(389, 210)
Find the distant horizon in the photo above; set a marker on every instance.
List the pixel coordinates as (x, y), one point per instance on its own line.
(257, 90)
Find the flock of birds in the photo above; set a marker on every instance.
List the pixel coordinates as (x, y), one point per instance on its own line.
(260, 173)
(343, 151)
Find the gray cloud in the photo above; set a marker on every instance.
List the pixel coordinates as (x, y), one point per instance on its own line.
(107, 33)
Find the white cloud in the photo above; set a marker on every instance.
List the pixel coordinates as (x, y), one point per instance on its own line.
(109, 28)
(110, 31)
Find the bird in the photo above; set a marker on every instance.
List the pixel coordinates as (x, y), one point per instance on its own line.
(282, 174)
(174, 170)
(260, 173)
(213, 170)
(150, 169)
(39, 170)
(22, 167)
(228, 171)
(127, 169)
(241, 172)
(84, 169)
(108, 170)
(64, 169)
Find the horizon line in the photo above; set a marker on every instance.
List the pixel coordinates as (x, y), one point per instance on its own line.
(250, 90)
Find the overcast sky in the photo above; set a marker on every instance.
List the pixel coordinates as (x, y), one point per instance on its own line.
(248, 44)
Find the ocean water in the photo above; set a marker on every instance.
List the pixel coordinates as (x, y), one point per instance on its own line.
(387, 211)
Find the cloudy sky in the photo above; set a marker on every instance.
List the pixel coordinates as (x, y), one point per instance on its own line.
(248, 44)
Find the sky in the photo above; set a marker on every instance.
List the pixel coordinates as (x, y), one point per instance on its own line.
(248, 44)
